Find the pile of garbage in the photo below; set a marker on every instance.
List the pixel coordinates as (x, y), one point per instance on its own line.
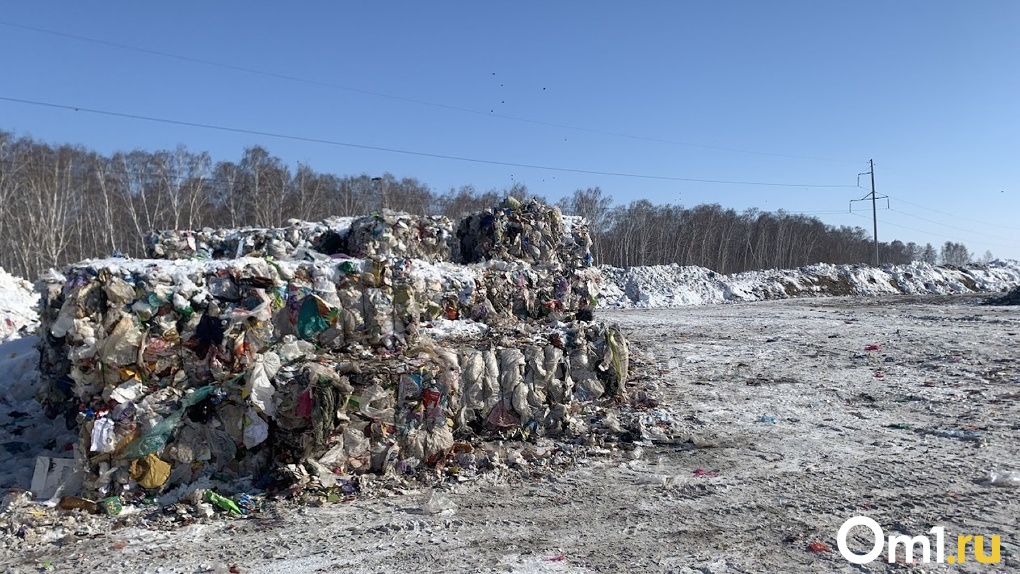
(532, 233)
(278, 242)
(392, 234)
(278, 370)
(1011, 298)
(385, 234)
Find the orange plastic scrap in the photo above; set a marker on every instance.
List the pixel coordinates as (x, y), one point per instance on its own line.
(819, 547)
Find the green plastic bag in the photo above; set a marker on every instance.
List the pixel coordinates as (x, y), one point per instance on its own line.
(311, 319)
(159, 435)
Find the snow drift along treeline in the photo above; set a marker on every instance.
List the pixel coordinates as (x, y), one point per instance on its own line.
(678, 286)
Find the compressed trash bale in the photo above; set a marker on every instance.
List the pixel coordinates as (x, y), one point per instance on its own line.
(300, 400)
(529, 232)
(316, 365)
(500, 292)
(390, 234)
(385, 234)
(291, 242)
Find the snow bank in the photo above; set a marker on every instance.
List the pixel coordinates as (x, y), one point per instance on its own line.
(18, 303)
(661, 286)
(24, 430)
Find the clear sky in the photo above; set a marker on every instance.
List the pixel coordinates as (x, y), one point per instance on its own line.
(777, 92)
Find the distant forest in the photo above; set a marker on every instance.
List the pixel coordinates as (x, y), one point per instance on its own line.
(61, 204)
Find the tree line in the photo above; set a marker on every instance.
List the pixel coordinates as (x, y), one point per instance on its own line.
(63, 203)
(727, 241)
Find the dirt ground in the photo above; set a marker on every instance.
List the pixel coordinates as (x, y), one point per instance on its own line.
(788, 426)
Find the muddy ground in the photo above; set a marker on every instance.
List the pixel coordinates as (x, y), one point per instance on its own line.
(906, 435)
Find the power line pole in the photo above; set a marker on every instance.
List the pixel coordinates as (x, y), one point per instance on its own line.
(874, 210)
(874, 207)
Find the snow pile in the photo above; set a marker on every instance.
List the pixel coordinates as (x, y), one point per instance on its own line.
(18, 304)
(24, 430)
(660, 286)
(19, 316)
(677, 286)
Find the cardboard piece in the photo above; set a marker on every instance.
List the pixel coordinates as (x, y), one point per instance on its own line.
(52, 475)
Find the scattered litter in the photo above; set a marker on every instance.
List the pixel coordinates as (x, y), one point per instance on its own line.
(111, 506)
(222, 502)
(1005, 479)
(75, 503)
(439, 504)
(702, 473)
(967, 435)
(819, 547)
(873, 348)
(768, 419)
(52, 475)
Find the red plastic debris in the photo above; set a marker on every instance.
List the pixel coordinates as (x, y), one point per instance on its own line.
(879, 375)
(819, 547)
(873, 348)
(701, 473)
(559, 558)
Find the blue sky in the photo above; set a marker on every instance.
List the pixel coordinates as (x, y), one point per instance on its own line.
(777, 92)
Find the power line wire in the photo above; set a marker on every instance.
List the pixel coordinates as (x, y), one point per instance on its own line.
(954, 215)
(951, 215)
(946, 236)
(936, 234)
(949, 226)
(324, 84)
(404, 152)
(833, 212)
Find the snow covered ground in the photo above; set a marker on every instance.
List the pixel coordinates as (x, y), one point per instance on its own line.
(791, 416)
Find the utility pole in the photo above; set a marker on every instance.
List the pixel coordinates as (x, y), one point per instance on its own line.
(874, 208)
(380, 190)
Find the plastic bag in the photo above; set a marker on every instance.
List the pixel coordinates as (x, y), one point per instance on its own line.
(150, 471)
(1004, 479)
(121, 347)
(382, 411)
(155, 439)
(311, 318)
(260, 387)
(103, 438)
(356, 446)
(159, 434)
(256, 430)
(471, 380)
